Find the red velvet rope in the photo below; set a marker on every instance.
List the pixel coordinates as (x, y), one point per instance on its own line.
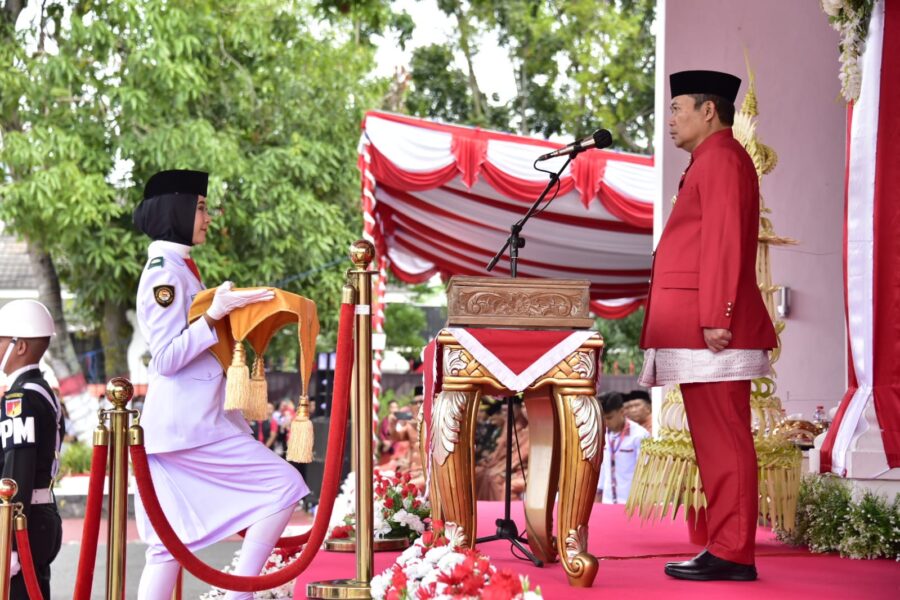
(31, 581)
(87, 558)
(330, 482)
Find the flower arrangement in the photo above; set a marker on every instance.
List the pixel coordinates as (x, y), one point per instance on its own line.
(399, 510)
(437, 566)
(829, 519)
(276, 561)
(850, 18)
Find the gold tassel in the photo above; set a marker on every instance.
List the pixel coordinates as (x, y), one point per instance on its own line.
(257, 404)
(300, 446)
(237, 385)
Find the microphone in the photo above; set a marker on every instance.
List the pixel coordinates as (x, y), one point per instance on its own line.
(600, 139)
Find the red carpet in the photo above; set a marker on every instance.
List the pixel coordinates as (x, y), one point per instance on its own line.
(632, 559)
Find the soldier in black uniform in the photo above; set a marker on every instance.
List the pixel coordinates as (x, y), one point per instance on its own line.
(31, 429)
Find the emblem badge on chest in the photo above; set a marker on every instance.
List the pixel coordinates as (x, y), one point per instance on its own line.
(164, 295)
(13, 408)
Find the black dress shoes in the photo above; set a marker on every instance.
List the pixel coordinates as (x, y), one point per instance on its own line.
(706, 567)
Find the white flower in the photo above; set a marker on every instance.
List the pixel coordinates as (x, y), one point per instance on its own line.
(379, 585)
(410, 520)
(832, 7)
(455, 536)
(434, 555)
(380, 526)
(450, 560)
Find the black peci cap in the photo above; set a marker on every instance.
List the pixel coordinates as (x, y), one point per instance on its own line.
(705, 82)
(178, 181)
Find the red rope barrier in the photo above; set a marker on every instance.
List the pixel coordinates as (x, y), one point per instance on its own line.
(330, 483)
(87, 558)
(31, 580)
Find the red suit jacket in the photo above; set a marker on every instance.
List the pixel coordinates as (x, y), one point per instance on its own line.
(704, 268)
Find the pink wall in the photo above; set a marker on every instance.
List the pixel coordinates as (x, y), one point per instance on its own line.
(794, 55)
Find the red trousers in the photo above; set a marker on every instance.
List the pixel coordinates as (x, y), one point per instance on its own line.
(718, 415)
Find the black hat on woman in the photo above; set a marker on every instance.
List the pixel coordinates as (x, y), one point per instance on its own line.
(170, 201)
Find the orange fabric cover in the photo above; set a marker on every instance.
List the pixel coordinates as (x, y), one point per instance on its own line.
(257, 323)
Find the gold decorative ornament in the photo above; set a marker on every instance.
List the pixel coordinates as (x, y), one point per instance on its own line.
(531, 303)
(565, 432)
(119, 392)
(8, 490)
(362, 253)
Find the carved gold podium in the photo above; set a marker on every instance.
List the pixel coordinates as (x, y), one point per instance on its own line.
(565, 421)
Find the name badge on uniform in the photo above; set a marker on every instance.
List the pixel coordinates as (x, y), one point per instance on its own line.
(164, 295)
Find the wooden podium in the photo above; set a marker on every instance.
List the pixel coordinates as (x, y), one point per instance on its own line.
(565, 421)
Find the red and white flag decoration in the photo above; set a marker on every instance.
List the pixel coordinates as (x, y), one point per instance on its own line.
(872, 249)
(440, 199)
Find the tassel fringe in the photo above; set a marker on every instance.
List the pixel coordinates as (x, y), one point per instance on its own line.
(237, 385)
(258, 400)
(300, 444)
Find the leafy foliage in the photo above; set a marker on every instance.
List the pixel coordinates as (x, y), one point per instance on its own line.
(828, 520)
(403, 325)
(621, 337)
(577, 64)
(251, 91)
(76, 459)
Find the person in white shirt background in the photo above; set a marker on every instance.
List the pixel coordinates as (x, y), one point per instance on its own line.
(622, 445)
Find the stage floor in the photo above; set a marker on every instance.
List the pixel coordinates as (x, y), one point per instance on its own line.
(632, 557)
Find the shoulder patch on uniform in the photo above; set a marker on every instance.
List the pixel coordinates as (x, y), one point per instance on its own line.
(13, 407)
(156, 262)
(164, 295)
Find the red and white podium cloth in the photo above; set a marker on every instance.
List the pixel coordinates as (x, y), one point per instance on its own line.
(439, 199)
(516, 358)
(872, 249)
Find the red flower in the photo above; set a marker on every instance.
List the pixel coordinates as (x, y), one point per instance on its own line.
(393, 594)
(389, 502)
(341, 532)
(398, 579)
(503, 586)
(427, 538)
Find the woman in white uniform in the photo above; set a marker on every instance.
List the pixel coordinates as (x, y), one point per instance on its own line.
(212, 478)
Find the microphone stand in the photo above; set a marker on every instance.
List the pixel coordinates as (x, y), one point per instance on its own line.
(506, 527)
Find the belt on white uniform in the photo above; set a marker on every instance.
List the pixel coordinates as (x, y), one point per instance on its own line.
(43, 496)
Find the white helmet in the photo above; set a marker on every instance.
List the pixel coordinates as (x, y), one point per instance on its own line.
(26, 319)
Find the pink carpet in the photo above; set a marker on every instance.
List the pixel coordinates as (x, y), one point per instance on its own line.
(633, 556)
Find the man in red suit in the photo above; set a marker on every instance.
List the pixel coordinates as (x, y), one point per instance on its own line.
(706, 326)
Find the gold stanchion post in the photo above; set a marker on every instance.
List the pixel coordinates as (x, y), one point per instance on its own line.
(361, 254)
(8, 489)
(119, 392)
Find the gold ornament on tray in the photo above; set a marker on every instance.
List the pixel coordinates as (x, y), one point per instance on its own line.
(667, 476)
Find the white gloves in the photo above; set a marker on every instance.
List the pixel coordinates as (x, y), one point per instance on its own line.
(226, 299)
(14, 566)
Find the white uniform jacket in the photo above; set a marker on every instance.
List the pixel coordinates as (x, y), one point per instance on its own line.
(184, 407)
(620, 456)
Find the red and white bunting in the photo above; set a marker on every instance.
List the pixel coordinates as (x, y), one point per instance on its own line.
(872, 249)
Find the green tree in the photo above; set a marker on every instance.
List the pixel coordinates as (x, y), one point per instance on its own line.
(252, 91)
(621, 338)
(403, 326)
(578, 64)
